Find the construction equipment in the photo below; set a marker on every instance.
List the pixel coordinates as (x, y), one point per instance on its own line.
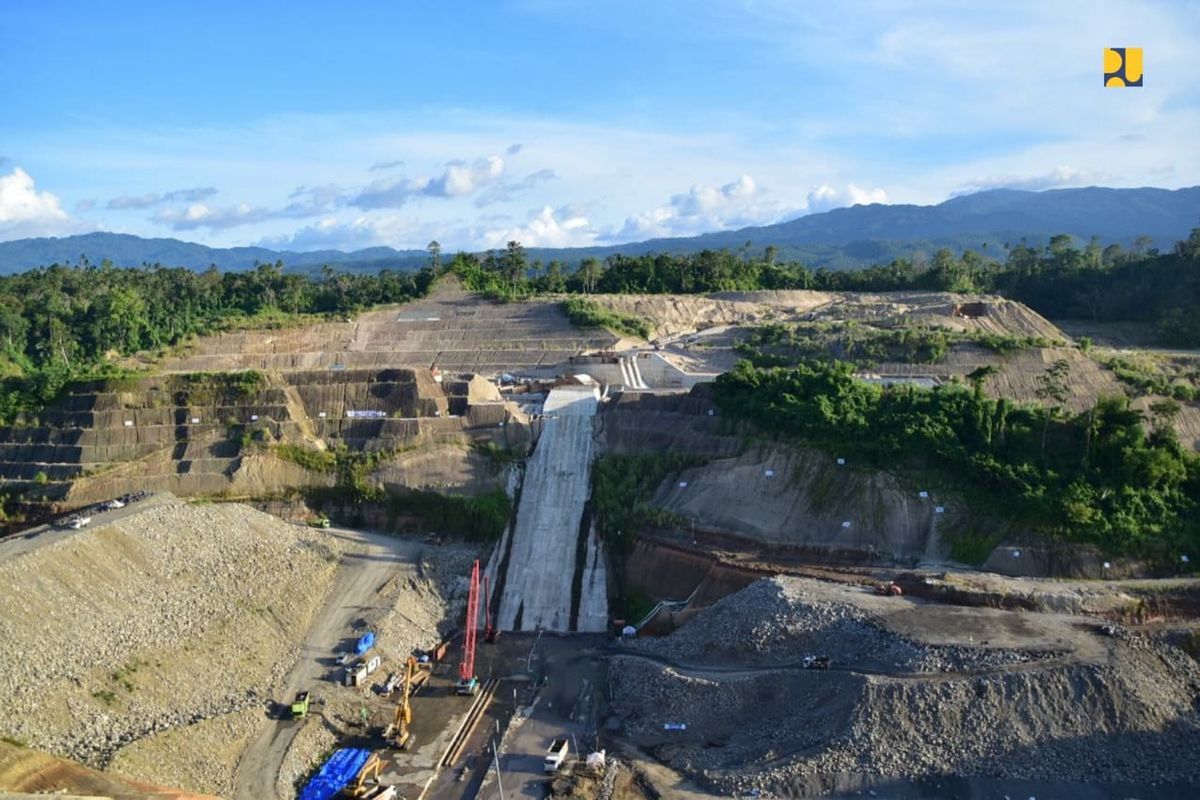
(300, 706)
(490, 634)
(556, 753)
(438, 653)
(356, 673)
(366, 783)
(468, 684)
(397, 733)
(816, 662)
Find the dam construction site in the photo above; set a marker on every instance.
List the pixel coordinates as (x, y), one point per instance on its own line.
(463, 548)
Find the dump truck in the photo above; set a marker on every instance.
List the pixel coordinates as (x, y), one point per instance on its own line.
(300, 705)
(556, 754)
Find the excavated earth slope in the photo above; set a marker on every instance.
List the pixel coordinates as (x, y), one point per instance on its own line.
(173, 618)
(914, 690)
(773, 493)
(1016, 373)
(452, 329)
(31, 773)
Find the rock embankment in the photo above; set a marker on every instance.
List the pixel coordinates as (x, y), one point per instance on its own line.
(172, 616)
(1119, 708)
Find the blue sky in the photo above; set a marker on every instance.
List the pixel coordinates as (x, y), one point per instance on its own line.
(566, 123)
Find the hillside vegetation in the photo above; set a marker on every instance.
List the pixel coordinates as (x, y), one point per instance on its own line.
(65, 324)
(1058, 280)
(1099, 476)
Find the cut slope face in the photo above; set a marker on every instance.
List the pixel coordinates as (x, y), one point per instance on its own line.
(167, 617)
(452, 329)
(776, 494)
(542, 564)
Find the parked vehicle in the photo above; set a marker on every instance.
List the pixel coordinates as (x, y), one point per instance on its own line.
(300, 706)
(556, 754)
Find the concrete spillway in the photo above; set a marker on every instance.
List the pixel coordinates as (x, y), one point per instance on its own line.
(545, 540)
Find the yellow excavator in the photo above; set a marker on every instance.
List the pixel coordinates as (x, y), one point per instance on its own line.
(398, 734)
(366, 783)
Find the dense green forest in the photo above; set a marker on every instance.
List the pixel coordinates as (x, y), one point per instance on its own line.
(1100, 476)
(61, 324)
(67, 323)
(1059, 280)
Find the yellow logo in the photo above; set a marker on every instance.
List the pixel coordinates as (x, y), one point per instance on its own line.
(1122, 66)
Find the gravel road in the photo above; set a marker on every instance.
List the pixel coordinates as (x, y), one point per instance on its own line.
(369, 561)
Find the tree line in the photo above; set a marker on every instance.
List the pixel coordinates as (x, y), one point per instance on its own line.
(1059, 280)
(64, 323)
(1100, 476)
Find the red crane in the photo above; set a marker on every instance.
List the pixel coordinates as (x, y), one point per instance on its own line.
(467, 682)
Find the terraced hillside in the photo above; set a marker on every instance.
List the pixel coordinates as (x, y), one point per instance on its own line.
(205, 434)
(451, 329)
(698, 336)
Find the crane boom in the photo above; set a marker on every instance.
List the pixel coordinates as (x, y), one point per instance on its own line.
(399, 729)
(467, 683)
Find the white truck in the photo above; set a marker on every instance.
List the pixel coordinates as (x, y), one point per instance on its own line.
(556, 754)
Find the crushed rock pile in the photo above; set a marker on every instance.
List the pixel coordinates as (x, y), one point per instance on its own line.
(778, 621)
(168, 617)
(754, 721)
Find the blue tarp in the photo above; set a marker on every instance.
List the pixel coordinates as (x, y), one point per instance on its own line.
(365, 643)
(335, 773)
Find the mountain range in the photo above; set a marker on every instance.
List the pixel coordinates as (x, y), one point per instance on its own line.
(843, 238)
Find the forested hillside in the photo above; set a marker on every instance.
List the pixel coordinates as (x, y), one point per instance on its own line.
(1058, 280)
(68, 323)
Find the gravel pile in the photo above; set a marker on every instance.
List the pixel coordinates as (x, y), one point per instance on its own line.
(171, 616)
(778, 621)
(754, 721)
(205, 754)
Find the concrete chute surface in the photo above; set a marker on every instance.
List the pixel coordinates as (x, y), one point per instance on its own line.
(542, 564)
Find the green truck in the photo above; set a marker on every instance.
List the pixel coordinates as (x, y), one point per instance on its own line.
(300, 706)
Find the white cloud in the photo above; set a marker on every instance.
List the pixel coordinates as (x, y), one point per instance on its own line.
(382, 165)
(371, 229)
(825, 197)
(200, 215)
(24, 211)
(702, 208)
(1058, 177)
(306, 201)
(503, 190)
(566, 226)
(154, 198)
(458, 179)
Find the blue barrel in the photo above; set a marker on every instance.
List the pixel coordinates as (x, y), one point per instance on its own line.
(365, 643)
(339, 770)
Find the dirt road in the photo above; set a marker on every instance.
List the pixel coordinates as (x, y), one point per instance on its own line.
(39, 536)
(369, 561)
